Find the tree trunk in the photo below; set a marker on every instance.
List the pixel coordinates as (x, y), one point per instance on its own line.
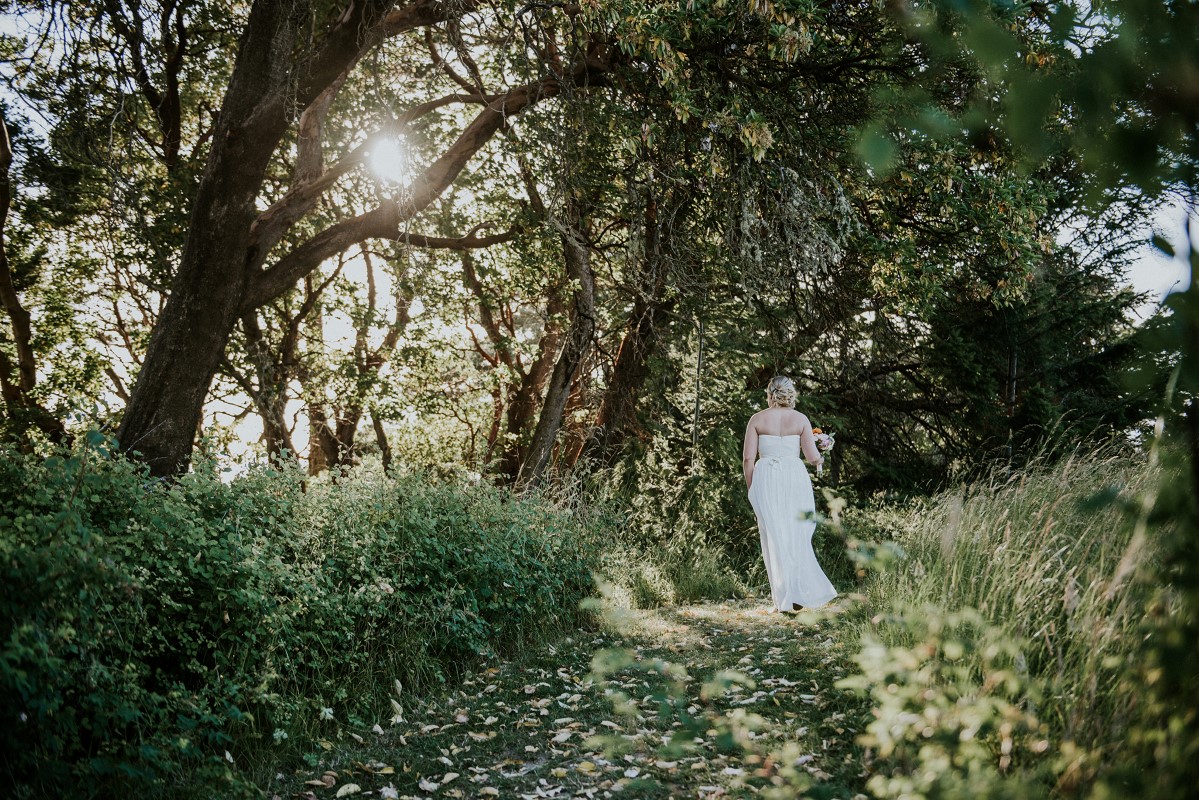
(270, 393)
(344, 434)
(578, 340)
(522, 405)
(331, 443)
(320, 440)
(617, 417)
(206, 294)
(384, 445)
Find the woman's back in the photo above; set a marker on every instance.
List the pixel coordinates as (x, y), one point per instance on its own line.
(779, 422)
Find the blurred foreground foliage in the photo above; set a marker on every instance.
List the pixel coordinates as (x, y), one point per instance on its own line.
(1114, 83)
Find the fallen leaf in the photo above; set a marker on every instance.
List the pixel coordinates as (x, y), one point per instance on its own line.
(348, 789)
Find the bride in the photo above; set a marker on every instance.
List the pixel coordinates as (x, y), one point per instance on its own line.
(781, 494)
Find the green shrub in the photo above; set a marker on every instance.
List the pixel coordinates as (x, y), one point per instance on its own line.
(1046, 565)
(951, 714)
(158, 635)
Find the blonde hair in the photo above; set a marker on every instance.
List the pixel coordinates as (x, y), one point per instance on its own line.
(781, 391)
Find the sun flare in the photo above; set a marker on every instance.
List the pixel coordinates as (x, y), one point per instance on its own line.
(389, 161)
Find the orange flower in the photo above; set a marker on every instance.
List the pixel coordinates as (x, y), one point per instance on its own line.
(816, 430)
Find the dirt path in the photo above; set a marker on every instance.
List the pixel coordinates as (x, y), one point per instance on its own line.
(712, 700)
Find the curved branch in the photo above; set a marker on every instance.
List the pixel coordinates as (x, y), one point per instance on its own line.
(268, 229)
(420, 14)
(439, 61)
(384, 221)
(460, 243)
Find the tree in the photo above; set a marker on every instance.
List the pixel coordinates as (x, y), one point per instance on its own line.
(18, 380)
(288, 67)
(37, 394)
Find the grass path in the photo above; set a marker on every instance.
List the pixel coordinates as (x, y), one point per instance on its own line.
(547, 726)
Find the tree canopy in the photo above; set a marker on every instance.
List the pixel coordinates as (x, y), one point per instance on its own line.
(525, 237)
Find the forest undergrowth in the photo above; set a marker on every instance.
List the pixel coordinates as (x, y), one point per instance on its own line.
(178, 638)
(401, 637)
(986, 647)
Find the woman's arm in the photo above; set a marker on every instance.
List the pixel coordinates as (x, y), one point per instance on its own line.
(807, 443)
(749, 451)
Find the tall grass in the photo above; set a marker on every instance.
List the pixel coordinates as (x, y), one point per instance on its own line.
(1047, 558)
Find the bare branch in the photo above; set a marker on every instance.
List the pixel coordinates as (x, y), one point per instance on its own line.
(461, 243)
(18, 395)
(486, 314)
(440, 62)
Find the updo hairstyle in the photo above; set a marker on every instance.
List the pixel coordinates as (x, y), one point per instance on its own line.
(781, 392)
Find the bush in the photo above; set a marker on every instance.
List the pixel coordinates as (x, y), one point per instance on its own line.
(156, 634)
(1043, 570)
(951, 714)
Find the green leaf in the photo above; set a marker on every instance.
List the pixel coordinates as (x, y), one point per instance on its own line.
(877, 150)
(1162, 244)
(990, 43)
(1028, 104)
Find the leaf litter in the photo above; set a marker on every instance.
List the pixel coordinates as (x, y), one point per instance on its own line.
(710, 700)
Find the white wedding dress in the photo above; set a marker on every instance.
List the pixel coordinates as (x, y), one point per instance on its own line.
(781, 494)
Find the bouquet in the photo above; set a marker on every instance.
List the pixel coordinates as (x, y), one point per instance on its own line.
(824, 443)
